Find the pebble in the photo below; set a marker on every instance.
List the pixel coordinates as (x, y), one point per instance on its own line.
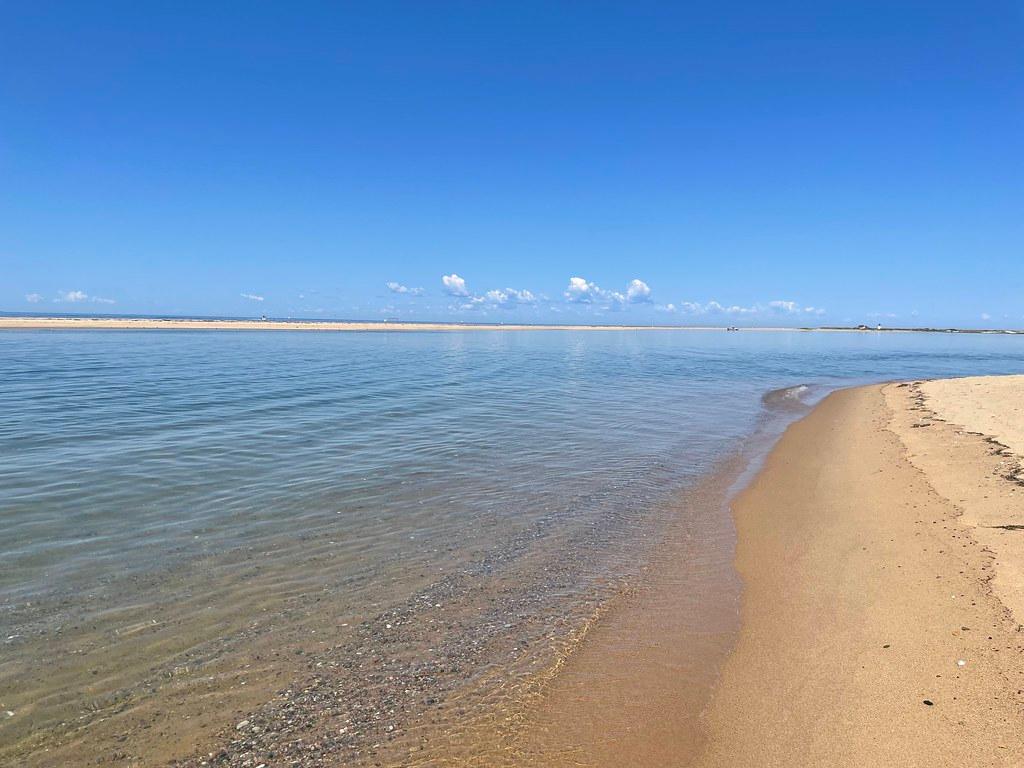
(242, 725)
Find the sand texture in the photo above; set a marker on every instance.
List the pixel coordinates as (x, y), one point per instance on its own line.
(872, 632)
(187, 324)
(990, 405)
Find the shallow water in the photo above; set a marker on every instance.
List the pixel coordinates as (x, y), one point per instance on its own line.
(186, 510)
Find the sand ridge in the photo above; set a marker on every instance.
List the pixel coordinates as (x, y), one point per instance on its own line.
(989, 405)
(967, 436)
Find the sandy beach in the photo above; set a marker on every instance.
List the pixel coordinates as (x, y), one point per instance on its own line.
(881, 559)
(13, 323)
(189, 324)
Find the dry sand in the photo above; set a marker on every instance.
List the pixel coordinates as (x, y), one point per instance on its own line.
(187, 324)
(875, 627)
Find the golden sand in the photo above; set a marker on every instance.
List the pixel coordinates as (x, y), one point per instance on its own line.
(871, 634)
(187, 324)
(879, 555)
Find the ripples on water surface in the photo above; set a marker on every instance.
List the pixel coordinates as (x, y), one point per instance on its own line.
(169, 499)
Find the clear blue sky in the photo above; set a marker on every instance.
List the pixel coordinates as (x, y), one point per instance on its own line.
(746, 162)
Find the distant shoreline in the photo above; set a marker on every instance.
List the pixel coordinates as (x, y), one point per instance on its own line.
(211, 324)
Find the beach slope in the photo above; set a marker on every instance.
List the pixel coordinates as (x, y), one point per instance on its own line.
(875, 622)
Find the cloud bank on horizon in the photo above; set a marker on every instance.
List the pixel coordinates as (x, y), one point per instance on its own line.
(580, 296)
(586, 296)
(68, 297)
(583, 298)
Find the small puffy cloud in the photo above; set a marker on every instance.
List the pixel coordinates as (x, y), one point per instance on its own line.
(454, 285)
(771, 308)
(793, 308)
(509, 297)
(582, 291)
(33, 298)
(638, 292)
(986, 316)
(498, 298)
(399, 288)
(251, 296)
(71, 296)
(715, 308)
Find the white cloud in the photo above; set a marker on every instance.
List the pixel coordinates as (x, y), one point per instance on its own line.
(509, 297)
(638, 292)
(454, 285)
(714, 308)
(986, 316)
(71, 296)
(251, 296)
(772, 307)
(582, 291)
(33, 298)
(399, 288)
(498, 298)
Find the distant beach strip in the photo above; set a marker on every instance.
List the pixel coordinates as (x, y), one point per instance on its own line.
(27, 322)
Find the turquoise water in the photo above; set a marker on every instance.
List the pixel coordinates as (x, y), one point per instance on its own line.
(142, 472)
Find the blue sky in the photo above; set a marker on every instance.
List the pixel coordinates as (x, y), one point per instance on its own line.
(747, 163)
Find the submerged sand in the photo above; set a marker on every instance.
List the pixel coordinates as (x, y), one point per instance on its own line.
(881, 558)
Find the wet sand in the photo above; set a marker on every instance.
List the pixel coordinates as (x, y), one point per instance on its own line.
(632, 692)
(879, 556)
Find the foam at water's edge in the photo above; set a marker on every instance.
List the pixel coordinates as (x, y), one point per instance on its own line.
(788, 398)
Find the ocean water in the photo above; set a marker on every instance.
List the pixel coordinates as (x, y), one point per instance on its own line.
(220, 512)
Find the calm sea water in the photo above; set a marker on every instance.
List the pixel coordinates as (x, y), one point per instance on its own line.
(173, 485)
